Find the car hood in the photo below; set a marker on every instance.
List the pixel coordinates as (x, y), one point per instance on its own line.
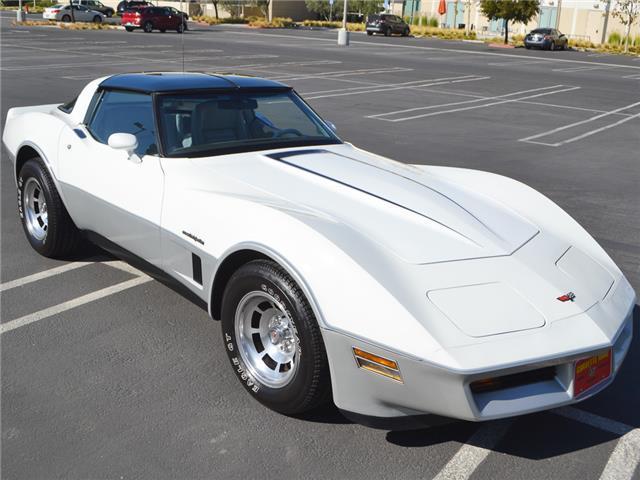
(415, 215)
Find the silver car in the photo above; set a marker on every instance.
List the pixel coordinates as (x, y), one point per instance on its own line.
(62, 13)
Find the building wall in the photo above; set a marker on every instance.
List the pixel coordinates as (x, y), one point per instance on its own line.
(580, 19)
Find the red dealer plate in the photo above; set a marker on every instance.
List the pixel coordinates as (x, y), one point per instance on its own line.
(591, 371)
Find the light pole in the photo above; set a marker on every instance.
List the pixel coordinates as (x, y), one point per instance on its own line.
(343, 34)
(20, 16)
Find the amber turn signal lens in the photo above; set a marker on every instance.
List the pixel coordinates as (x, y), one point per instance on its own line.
(376, 364)
(375, 358)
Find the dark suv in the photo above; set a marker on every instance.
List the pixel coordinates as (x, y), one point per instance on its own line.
(155, 18)
(131, 5)
(387, 24)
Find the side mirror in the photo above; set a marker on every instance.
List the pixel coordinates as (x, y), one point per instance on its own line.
(125, 142)
(332, 126)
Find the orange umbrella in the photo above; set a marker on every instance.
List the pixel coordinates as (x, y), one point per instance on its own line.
(442, 8)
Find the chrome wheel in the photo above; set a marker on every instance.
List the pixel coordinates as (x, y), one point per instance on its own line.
(35, 209)
(267, 339)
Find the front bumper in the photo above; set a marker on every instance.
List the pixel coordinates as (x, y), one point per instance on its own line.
(431, 389)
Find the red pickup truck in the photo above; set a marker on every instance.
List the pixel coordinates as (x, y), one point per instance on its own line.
(155, 18)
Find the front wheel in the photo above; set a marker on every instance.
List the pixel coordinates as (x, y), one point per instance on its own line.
(45, 220)
(148, 27)
(405, 32)
(273, 339)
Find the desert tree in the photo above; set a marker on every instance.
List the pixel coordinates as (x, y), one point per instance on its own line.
(628, 12)
(514, 11)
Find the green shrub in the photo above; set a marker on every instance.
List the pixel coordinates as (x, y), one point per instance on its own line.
(216, 21)
(433, 22)
(615, 38)
(277, 22)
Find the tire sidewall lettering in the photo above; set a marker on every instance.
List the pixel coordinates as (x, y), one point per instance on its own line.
(238, 366)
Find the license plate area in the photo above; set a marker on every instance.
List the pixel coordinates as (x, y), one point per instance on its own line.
(591, 371)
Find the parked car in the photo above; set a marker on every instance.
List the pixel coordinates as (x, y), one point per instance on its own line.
(62, 13)
(387, 25)
(397, 290)
(97, 6)
(132, 5)
(546, 39)
(155, 18)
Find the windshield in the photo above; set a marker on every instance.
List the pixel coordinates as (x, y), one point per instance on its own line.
(204, 124)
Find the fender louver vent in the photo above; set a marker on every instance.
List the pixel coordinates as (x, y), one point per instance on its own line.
(196, 265)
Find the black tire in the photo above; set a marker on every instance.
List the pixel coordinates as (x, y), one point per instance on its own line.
(310, 385)
(97, 19)
(66, 18)
(387, 32)
(369, 33)
(62, 236)
(528, 47)
(405, 32)
(129, 29)
(163, 30)
(147, 27)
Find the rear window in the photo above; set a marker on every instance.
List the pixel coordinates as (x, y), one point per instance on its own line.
(372, 18)
(544, 31)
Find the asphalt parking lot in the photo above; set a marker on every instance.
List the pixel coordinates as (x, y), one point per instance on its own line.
(108, 373)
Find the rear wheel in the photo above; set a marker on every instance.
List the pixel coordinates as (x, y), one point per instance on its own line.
(369, 33)
(129, 29)
(66, 18)
(148, 27)
(273, 340)
(97, 19)
(387, 32)
(45, 220)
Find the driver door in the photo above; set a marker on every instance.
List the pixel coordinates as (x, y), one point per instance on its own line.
(106, 190)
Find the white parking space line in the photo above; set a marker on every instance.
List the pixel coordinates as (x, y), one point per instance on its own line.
(549, 91)
(57, 66)
(474, 451)
(635, 76)
(625, 458)
(577, 69)
(514, 63)
(532, 138)
(76, 302)
(42, 275)
(383, 88)
(343, 73)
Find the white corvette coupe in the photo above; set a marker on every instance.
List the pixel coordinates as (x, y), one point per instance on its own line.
(406, 293)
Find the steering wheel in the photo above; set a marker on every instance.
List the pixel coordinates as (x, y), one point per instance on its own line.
(287, 131)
